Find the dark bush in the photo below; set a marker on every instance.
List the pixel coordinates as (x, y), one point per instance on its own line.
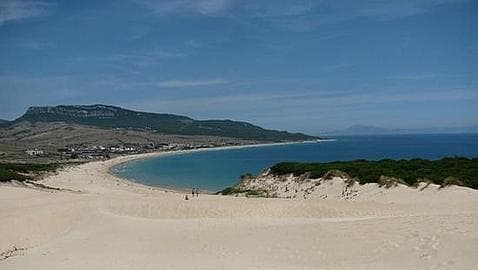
(464, 171)
(23, 171)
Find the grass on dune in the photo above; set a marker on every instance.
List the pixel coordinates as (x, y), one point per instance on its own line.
(23, 171)
(446, 171)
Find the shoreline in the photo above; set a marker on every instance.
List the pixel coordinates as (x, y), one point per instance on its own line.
(96, 212)
(117, 161)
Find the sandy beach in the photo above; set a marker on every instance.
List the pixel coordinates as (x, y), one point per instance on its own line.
(98, 221)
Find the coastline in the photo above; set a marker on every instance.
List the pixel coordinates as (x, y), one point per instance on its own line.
(128, 158)
(113, 223)
(220, 148)
(154, 172)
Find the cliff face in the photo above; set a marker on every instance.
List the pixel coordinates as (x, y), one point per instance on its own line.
(106, 116)
(75, 111)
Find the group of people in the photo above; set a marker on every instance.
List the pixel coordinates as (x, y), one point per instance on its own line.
(194, 192)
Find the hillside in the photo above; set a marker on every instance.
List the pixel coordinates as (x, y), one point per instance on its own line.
(105, 116)
(51, 137)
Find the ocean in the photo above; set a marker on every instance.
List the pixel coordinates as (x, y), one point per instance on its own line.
(218, 169)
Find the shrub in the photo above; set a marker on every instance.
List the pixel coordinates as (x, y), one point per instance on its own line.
(23, 171)
(388, 182)
(451, 181)
(464, 170)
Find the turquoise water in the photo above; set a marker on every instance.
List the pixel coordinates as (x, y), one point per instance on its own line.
(215, 170)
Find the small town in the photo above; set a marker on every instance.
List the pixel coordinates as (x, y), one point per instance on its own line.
(102, 152)
(238, 134)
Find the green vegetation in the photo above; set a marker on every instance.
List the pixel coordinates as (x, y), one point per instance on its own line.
(447, 171)
(114, 117)
(23, 172)
(246, 176)
(246, 192)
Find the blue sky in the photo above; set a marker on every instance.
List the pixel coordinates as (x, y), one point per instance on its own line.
(307, 66)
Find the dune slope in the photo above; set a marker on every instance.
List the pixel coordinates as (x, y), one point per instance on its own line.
(102, 222)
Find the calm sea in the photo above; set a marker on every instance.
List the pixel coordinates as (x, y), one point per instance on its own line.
(215, 170)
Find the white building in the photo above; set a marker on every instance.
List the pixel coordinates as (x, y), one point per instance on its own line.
(34, 152)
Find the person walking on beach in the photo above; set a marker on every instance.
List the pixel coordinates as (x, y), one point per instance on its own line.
(186, 197)
(192, 192)
(197, 192)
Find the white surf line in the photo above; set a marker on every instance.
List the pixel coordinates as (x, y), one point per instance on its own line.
(110, 164)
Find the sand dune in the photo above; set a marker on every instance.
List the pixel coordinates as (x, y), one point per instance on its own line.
(102, 222)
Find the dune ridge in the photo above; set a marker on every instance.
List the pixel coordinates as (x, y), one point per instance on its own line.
(111, 223)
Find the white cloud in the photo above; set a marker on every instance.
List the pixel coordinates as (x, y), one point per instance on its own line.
(114, 82)
(36, 45)
(133, 61)
(327, 11)
(204, 7)
(308, 103)
(286, 110)
(386, 9)
(194, 83)
(427, 76)
(150, 56)
(276, 8)
(339, 66)
(167, 54)
(298, 15)
(16, 10)
(310, 16)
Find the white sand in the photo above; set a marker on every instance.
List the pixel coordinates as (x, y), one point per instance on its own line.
(109, 223)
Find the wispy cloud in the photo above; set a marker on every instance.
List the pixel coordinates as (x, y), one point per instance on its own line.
(145, 59)
(339, 66)
(258, 8)
(286, 110)
(125, 84)
(20, 91)
(297, 15)
(37, 45)
(204, 7)
(386, 9)
(16, 10)
(29, 44)
(134, 61)
(278, 102)
(328, 12)
(427, 76)
(193, 83)
(265, 8)
(308, 12)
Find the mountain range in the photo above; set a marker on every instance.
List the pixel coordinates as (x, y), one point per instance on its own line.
(110, 117)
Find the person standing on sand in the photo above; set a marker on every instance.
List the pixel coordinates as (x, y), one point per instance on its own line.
(197, 192)
(186, 197)
(192, 192)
